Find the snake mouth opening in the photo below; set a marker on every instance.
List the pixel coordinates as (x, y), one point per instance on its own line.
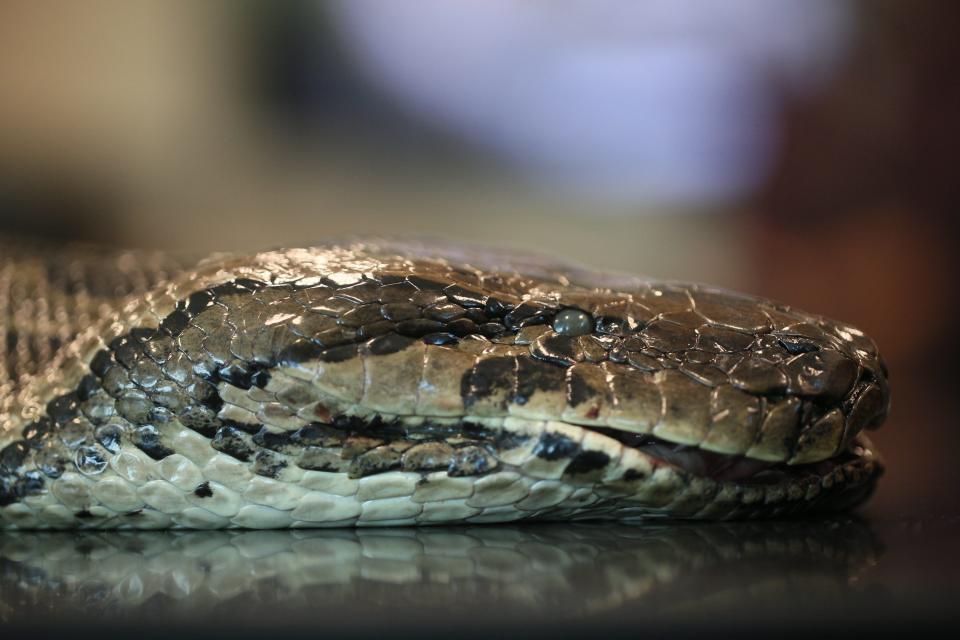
(739, 469)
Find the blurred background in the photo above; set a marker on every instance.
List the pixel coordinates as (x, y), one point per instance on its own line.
(799, 149)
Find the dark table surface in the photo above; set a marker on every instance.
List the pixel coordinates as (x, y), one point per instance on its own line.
(792, 577)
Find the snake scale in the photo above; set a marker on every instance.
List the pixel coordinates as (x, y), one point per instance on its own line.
(373, 382)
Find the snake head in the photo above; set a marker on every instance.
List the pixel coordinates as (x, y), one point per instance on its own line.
(549, 389)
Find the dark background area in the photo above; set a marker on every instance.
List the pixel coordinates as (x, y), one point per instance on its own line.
(795, 149)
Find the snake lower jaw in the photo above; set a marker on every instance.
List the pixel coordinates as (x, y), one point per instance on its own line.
(739, 468)
(645, 476)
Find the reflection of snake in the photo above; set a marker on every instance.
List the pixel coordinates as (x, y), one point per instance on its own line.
(377, 384)
(576, 569)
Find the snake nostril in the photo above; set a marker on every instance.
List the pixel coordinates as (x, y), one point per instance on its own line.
(573, 322)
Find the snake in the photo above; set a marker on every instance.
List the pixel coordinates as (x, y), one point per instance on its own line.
(385, 382)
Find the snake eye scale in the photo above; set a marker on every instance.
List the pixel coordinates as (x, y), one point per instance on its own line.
(372, 383)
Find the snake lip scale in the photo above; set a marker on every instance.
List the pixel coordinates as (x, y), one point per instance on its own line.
(373, 383)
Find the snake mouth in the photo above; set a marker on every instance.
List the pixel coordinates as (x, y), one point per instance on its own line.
(739, 469)
(586, 455)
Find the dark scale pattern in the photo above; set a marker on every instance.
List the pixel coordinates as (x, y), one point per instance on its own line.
(553, 446)
(148, 439)
(679, 360)
(587, 461)
(233, 442)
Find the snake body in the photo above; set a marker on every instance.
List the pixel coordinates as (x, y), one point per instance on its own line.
(382, 383)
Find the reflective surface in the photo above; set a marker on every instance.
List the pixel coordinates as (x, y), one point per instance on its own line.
(474, 579)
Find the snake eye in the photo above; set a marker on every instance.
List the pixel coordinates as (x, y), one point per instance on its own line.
(573, 322)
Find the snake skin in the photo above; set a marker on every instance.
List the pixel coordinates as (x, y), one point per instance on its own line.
(379, 383)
